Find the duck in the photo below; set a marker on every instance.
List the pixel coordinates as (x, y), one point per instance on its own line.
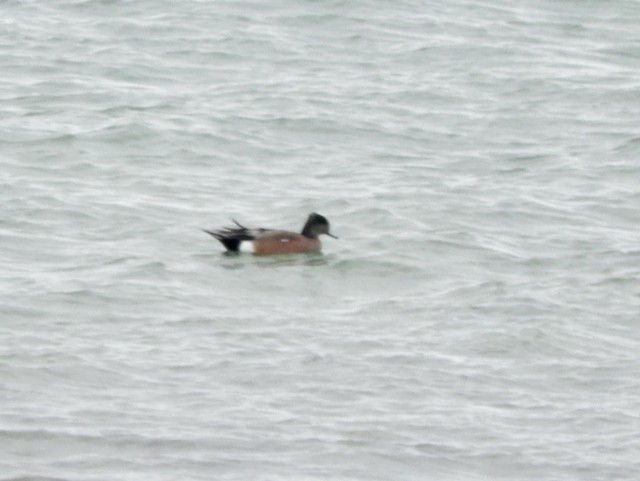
(263, 241)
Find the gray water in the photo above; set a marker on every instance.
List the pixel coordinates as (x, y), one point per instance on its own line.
(478, 319)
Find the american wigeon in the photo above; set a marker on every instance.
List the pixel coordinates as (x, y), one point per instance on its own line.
(271, 241)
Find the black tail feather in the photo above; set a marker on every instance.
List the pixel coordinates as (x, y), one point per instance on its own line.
(231, 237)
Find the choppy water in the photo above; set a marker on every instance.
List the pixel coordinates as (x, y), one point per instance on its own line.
(478, 318)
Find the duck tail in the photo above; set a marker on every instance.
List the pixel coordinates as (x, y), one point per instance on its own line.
(231, 237)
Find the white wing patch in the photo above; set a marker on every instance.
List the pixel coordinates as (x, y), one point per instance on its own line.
(285, 239)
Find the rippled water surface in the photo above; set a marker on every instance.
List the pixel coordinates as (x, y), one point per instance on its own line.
(478, 319)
